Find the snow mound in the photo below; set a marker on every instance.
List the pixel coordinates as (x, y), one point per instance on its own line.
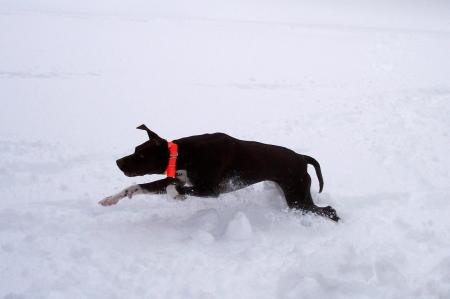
(239, 227)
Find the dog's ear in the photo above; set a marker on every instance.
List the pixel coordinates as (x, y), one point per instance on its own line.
(151, 134)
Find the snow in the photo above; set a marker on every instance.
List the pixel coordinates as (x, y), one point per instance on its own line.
(361, 86)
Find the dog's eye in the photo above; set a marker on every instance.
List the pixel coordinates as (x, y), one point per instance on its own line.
(141, 156)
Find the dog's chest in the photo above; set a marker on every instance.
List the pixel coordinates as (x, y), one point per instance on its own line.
(182, 176)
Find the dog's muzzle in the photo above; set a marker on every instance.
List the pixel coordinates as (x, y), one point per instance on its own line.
(121, 164)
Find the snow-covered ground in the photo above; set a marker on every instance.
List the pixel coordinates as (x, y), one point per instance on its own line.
(363, 86)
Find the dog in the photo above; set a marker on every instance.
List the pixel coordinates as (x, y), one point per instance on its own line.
(211, 164)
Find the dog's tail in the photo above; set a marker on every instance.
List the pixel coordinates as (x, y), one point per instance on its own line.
(313, 162)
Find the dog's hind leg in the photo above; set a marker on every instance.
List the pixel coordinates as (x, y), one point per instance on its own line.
(298, 196)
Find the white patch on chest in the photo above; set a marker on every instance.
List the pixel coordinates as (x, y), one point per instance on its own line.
(183, 177)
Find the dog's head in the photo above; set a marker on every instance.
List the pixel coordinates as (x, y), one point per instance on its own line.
(148, 158)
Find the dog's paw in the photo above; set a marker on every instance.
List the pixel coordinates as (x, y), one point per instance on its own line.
(109, 201)
(330, 213)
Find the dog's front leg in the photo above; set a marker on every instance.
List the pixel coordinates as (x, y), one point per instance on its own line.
(157, 187)
(168, 186)
(127, 192)
(197, 191)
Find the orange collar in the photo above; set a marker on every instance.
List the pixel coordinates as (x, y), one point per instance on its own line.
(171, 169)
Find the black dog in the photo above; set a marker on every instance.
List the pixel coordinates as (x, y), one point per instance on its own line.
(211, 164)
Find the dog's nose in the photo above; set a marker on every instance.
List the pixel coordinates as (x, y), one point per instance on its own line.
(120, 163)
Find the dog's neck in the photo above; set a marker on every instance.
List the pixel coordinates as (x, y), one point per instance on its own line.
(171, 170)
